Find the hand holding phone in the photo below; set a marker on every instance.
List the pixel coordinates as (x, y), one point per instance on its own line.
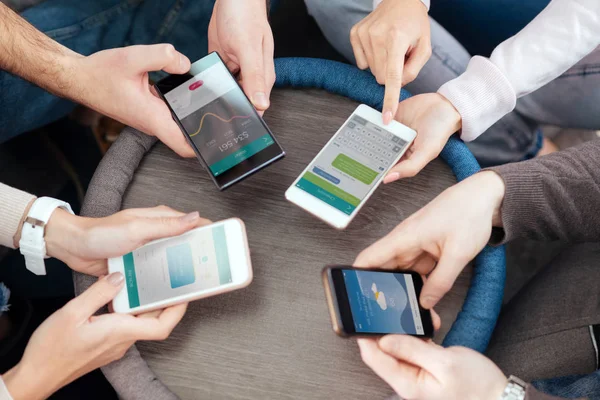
(228, 136)
(74, 341)
(375, 302)
(346, 172)
(204, 262)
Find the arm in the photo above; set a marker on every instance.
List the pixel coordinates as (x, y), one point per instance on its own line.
(74, 341)
(561, 35)
(548, 198)
(28, 53)
(112, 82)
(553, 197)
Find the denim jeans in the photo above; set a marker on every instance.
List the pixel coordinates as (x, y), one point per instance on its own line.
(88, 26)
(572, 100)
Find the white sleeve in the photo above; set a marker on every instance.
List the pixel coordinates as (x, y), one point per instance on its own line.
(4, 394)
(560, 36)
(377, 2)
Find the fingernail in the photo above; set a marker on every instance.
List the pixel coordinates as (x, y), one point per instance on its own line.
(394, 176)
(260, 100)
(428, 302)
(115, 278)
(191, 217)
(387, 117)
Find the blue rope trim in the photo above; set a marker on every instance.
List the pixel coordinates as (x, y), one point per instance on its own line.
(476, 321)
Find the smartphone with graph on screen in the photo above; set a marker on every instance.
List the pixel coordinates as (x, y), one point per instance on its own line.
(229, 137)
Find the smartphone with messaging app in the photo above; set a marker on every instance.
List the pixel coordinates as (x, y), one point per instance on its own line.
(228, 136)
(203, 262)
(346, 172)
(372, 302)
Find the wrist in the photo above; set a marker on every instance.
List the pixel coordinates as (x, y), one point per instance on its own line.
(63, 235)
(498, 389)
(17, 236)
(58, 74)
(452, 115)
(24, 383)
(495, 187)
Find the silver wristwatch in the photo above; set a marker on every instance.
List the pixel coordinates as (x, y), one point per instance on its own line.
(515, 389)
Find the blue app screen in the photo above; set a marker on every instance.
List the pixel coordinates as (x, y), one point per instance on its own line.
(192, 262)
(383, 302)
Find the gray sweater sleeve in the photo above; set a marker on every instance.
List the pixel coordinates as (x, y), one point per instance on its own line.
(555, 197)
(533, 394)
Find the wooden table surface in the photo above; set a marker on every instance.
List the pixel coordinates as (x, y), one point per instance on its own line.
(274, 339)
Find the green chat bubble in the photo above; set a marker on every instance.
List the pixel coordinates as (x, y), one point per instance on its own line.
(355, 169)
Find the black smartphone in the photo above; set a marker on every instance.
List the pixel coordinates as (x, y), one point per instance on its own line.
(375, 302)
(229, 137)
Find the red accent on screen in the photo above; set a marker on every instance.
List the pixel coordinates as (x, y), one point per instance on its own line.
(196, 85)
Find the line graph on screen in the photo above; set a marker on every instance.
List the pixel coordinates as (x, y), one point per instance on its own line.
(219, 118)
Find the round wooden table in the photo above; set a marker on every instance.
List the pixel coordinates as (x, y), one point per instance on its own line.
(274, 338)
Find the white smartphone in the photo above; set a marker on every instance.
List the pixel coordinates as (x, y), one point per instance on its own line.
(346, 172)
(203, 262)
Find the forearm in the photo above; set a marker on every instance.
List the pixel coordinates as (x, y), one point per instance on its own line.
(14, 205)
(560, 36)
(23, 384)
(33, 56)
(555, 197)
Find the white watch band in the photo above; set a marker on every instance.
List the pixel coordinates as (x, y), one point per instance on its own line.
(32, 244)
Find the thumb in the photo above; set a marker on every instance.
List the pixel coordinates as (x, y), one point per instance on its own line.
(97, 296)
(157, 228)
(158, 57)
(163, 126)
(410, 349)
(413, 164)
(441, 280)
(254, 81)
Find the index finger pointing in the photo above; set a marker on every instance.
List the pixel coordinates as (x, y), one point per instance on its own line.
(393, 78)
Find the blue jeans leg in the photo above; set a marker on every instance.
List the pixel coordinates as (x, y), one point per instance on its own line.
(88, 26)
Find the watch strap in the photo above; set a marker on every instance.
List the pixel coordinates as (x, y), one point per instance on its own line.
(515, 389)
(32, 244)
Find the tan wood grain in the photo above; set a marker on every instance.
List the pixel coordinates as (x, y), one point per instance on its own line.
(274, 339)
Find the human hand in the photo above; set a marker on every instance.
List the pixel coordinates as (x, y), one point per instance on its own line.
(73, 342)
(417, 369)
(442, 237)
(85, 244)
(240, 32)
(115, 83)
(435, 119)
(394, 41)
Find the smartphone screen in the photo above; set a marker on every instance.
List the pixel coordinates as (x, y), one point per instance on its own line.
(190, 263)
(350, 166)
(221, 124)
(377, 302)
